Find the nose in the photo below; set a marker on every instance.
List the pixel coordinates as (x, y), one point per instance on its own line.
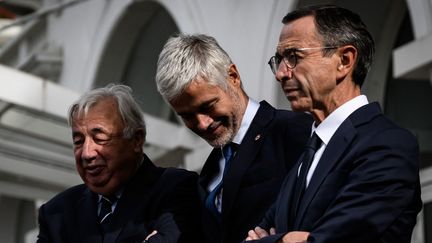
(89, 150)
(283, 73)
(203, 121)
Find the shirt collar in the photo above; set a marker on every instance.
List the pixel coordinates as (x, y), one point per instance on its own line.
(117, 195)
(248, 116)
(329, 125)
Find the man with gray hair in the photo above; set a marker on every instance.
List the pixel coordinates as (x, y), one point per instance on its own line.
(255, 145)
(125, 197)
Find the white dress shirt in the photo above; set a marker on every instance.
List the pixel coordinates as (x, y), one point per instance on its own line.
(251, 110)
(329, 125)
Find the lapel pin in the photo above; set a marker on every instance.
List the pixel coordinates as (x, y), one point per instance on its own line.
(257, 137)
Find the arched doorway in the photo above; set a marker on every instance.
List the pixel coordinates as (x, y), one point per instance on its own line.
(131, 53)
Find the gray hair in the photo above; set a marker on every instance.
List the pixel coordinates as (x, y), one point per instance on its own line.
(185, 58)
(129, 110)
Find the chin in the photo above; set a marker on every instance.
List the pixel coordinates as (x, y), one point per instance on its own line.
(103, 189)
(216, 143)
(220, 141)
(297, 105)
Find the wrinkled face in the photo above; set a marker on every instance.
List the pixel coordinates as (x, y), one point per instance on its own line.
(210, 112)
(104, 159)
(308, 85)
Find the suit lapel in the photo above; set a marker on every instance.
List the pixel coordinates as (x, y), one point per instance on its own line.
(245, 156)
(334, 151)
(87, 226)
(209, 170)
(284, 203)
(133, 203)
(111, 236)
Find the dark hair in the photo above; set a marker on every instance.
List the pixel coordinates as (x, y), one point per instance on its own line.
(338, 27)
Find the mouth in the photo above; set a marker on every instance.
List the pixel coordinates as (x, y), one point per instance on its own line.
(213, 127)
(94, 170)
(212, 132)
(290, 91)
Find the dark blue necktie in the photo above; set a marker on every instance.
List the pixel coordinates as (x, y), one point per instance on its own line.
(214, 200)
(106, 208)
(306, 160)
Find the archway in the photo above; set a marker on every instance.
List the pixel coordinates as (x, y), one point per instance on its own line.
(131, 53)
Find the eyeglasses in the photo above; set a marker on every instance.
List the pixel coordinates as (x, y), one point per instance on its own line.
(290, 57)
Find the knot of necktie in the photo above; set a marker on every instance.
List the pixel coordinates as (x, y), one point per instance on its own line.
(307, 157)
(228, 151)
(314, 142)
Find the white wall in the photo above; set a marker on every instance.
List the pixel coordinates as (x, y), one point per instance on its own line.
(247, 29)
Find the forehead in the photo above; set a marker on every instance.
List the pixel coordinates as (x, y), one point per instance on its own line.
(298, 33)
(102, 114)
(196, 94)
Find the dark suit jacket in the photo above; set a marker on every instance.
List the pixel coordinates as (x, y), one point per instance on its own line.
(270, 147)
(364, 189)
(151, 200)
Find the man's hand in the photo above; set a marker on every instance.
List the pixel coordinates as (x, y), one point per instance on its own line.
(295, 237)
(259, 233)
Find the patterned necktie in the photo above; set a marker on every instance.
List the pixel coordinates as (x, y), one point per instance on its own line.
(214, 200)
(306, 158)
(106, 209)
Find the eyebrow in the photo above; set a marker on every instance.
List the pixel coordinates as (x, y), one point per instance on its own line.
(95, 130)
(199, 108)
(76, 134)
(98, 130)
(295, 49)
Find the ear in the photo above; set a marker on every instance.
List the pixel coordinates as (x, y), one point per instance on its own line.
(233, 75)
(138, 140)
(347, 60)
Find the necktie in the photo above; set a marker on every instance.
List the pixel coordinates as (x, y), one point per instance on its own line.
(306, 158)
(106, 209)
(214, 200)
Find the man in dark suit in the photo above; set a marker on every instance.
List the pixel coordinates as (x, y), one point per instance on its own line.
(125, 197)
(197, 77)
(358, 180)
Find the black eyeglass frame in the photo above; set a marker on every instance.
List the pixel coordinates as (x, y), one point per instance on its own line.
(274, 63)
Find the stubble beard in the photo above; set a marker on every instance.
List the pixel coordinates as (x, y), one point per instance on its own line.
(232, 125)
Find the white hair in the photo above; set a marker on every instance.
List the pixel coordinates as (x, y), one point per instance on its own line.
(185, 58)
